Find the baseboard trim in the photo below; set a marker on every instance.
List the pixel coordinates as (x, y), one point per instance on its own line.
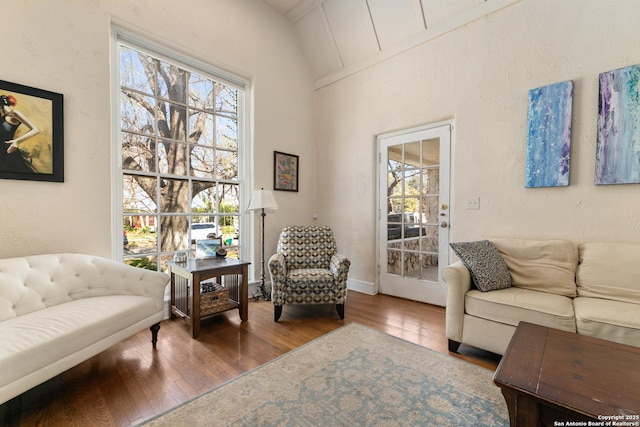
(362, 287)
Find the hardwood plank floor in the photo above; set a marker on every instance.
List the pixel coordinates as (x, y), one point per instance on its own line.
(130, 383)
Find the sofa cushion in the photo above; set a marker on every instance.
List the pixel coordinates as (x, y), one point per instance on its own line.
(541, 265)
(609, 270)
(37, 339)
(488, 270)
(510, 306)
(611, 320)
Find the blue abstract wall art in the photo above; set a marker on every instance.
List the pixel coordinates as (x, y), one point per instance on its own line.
(618, 145)
(549, 135)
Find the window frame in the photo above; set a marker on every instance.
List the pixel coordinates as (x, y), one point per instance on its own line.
(189, 61)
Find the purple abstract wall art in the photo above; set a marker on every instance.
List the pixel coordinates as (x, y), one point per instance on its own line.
(618, 145)
(549, 135)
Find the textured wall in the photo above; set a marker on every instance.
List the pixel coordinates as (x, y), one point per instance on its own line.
(64, 46)
(479, 76)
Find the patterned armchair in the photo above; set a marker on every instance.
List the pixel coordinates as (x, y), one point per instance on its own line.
(307, 270)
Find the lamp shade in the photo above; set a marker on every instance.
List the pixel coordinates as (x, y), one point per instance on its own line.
(262, 199)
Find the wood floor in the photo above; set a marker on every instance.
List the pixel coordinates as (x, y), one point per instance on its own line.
(130, 383)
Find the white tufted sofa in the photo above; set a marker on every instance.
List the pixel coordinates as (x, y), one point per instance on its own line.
(58, 310)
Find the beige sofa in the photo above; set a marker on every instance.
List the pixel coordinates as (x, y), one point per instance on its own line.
(588, 288)
(58, 310)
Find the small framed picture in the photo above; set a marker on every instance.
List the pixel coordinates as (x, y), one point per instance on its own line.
(285, 171)
(32, 133)
(207, 248)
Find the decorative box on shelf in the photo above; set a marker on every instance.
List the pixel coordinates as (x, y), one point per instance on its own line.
(214, 298)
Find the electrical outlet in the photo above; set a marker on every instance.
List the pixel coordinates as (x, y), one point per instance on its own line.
(472, 203)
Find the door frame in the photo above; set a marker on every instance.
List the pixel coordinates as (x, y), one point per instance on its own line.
(408, 135)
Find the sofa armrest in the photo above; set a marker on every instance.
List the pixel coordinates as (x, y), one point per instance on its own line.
(458, 280)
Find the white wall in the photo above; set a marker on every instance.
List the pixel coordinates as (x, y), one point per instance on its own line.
(64, 46)
(479, 76)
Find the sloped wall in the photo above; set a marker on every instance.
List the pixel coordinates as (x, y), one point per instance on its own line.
(479, 76)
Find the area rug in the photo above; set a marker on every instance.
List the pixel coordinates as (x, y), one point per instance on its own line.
(354, 376)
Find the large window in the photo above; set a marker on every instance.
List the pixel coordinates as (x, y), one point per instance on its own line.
(179, 143)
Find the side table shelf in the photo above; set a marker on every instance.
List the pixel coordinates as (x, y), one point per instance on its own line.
(201, 288)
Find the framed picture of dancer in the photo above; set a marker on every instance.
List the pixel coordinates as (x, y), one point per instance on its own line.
(31, 133)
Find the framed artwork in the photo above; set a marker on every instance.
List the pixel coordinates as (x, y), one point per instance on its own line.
(31, 129)
(285, 171)
(207, 248)
(549, 135)
(618, 147)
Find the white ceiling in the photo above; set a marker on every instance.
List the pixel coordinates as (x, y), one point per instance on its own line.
(341, 37)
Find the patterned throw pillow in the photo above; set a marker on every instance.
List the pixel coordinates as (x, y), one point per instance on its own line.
(488, 269)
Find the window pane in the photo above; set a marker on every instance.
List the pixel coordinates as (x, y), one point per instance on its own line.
(204, 197)
(174, 233)
(201, 93)
(174, 195)
(141, 236)
(172, 121)
(230, 205)
(202, 128)
(202, 162)
(226, 133)
(172, 158)
(136, 112)
(226, 164)
(227, 101)
(172, 82)
(139, 194)
(135, 69)
(138, 152)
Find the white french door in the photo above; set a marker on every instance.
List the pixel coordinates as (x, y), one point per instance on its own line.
(413, 212)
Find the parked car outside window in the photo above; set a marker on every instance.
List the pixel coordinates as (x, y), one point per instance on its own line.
(203, 230)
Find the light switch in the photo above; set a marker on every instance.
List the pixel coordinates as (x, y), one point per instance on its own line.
(472, 203)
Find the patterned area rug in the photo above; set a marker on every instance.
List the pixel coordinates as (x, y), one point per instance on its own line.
(354, 376)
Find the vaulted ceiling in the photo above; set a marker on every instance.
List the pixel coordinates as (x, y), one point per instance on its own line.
(341, 37)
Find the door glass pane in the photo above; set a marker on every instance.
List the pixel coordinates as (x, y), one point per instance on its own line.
(413, 209)
(411, 264)
(412, 155)
(394, 261)
(431, 152)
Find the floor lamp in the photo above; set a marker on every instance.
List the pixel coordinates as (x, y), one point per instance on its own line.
(262, 200)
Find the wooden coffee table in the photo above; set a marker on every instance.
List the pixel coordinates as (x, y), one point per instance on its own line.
(550, 377)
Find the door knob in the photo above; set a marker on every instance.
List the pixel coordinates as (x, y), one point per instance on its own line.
(444, 224)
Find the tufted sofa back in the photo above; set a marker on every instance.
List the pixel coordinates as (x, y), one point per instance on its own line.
(36, 282)
(307, 246)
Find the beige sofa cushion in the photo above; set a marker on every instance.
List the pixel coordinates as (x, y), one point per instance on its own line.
(512, 305)
(611, 320)
(541, 265)
(609, 270)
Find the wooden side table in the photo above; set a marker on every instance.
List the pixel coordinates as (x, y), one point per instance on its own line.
(186, 296)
